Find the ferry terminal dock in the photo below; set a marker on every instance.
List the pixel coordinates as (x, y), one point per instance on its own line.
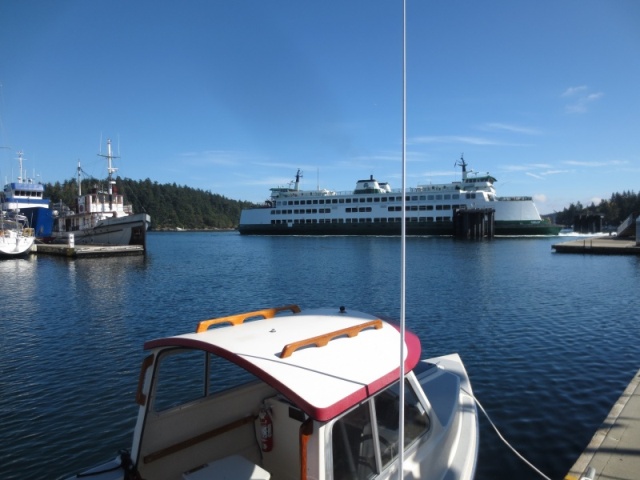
(614, 450)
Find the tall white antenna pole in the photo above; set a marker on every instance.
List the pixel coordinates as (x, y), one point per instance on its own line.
(403, 241)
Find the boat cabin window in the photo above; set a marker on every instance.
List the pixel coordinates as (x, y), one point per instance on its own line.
(187, 375)
(365, 440)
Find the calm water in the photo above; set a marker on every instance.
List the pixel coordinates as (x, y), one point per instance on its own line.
(550, 341)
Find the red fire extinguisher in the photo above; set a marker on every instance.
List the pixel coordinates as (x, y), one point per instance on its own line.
(266, 430)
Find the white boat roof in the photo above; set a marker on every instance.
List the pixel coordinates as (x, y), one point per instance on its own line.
(360, 355)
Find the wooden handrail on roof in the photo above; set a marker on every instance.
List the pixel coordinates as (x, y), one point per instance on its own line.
(242, 317)
(322, 340)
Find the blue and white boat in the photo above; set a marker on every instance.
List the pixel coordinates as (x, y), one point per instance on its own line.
(27, 197)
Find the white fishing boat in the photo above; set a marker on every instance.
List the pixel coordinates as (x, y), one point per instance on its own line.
(374, 208)
(288, 394)
(101, 217)
(16, 238)
(27, 196)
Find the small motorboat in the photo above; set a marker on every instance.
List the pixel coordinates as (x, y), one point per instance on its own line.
(283, 393)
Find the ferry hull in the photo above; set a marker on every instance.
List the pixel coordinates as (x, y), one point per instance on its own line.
(392, 229)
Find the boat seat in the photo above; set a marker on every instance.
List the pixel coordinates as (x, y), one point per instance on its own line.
(234, 467)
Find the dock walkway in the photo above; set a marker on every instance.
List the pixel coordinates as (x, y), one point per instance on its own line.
(608, 245)
(614, 451)
(87, 250)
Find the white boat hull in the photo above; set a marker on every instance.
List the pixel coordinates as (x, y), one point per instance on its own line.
(12, 246)
(128, 230)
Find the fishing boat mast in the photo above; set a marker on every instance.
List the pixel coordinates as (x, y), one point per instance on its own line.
(111, 170)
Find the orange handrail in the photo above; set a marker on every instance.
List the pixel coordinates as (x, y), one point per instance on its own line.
(322, 340)
(241, 317)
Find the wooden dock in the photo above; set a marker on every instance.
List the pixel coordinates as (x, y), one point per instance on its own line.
(614, 451)
(83, 251)
(609, 245)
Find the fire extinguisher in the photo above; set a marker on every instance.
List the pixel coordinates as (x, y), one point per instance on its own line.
(266, 430)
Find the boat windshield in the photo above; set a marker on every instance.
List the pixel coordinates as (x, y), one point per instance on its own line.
(365, 439)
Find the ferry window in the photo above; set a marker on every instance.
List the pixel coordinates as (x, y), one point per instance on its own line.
(383, 199)
(422, 207)
(446, 207)
(340, 200)
(369, 199)
(429, 207)
(429, 219)
(362, 200)
(429, 197)
(315, 202)
(438, 197)
(422, 197)
(438, 207)
(377, 199)
(447, 197)
(348, 200)
(321, 202)
(414, 197)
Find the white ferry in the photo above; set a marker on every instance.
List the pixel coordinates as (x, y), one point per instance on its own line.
(373, 208)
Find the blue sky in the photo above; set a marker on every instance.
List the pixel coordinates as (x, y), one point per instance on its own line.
(234, 96)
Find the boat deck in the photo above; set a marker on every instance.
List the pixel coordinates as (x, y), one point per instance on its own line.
(608, 245)
(87, 250)
(614, 450)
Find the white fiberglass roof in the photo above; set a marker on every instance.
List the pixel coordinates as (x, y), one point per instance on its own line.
(322, 380)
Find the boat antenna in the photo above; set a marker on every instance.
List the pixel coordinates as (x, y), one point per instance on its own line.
(79, 172)
(298, 177)
(403, 235)
(110, 170)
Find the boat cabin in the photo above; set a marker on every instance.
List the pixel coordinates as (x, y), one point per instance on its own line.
(285, 394)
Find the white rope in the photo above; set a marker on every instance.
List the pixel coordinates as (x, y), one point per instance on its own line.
(504, 440)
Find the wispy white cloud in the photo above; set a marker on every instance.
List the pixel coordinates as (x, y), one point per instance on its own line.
(497, 126)
(571, 91)
(581, 97)
(608, 163)
(534, 176)
(454, 139)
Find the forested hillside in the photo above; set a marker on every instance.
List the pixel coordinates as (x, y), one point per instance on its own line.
(615, 210)
(170, 206)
